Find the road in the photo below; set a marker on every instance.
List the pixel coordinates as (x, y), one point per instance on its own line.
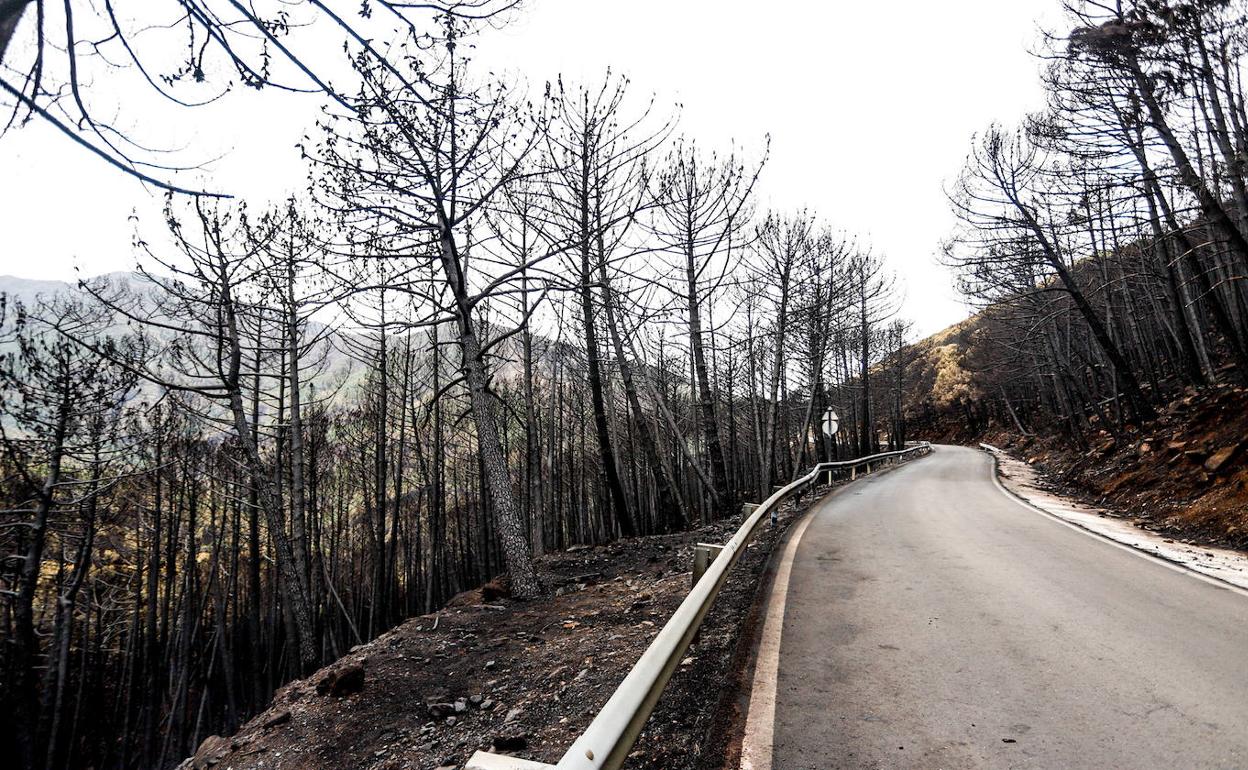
(931, 621)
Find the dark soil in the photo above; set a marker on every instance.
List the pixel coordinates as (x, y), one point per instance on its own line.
(521, 677)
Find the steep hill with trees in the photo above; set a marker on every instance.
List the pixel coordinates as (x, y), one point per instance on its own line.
(1106, 239)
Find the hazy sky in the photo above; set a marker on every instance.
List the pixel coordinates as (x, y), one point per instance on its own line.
(870, 107)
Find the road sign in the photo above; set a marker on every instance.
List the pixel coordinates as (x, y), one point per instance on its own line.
(831, 423)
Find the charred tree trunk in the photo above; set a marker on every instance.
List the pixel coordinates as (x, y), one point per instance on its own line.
(508, 523)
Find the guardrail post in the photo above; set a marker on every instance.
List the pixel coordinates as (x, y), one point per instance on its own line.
(701, 558)
(703, 555)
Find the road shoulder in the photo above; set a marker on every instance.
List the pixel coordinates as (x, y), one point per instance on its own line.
(748, 707)
(1022, 483)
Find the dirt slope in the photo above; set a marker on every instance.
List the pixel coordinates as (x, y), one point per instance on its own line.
(521, 677)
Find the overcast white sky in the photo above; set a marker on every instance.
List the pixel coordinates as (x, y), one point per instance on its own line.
(870, 106)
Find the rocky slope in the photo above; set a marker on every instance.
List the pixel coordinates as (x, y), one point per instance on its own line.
(1185, 475)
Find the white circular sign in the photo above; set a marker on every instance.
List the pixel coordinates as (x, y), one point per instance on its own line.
(831, 423)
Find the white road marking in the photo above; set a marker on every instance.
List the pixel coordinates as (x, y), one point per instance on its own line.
(756, 745)
(1176, 566)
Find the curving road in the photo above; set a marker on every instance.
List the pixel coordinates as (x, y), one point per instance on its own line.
(932, 621)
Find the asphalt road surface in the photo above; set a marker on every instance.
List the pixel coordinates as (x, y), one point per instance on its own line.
(934, 622)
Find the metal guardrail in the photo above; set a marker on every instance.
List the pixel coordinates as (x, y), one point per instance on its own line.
(610, 737)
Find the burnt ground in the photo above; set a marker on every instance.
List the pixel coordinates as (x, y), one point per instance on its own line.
(1184, 476)
(523, 677)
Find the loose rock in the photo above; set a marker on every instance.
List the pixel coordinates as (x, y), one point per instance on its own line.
(341, 682)
(511, 742)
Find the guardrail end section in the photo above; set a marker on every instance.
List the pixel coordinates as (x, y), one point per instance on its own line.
(483, 760)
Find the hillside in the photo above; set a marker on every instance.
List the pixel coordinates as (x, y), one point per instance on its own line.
(521, 678)
(942, 394)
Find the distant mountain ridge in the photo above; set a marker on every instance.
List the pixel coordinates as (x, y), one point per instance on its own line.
(339, 368)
